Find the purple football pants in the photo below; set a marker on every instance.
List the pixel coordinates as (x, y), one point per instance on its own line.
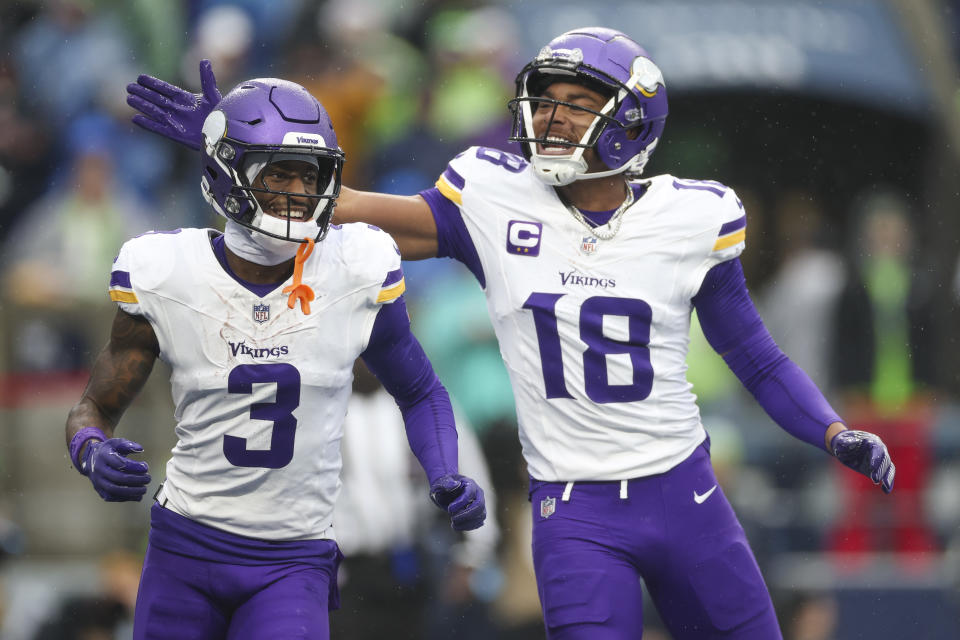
(200, 583)
(676, 530)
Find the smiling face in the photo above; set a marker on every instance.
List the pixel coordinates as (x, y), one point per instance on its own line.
(566, 124)
(290, 176)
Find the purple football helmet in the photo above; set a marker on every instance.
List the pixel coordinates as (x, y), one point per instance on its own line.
(610, 63)
(260, 122)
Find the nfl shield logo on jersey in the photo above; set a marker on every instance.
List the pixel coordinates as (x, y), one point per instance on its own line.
(547, 507)
(261, 313)
(588, 246)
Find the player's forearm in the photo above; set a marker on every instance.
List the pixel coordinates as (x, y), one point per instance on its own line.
(785, 392)
(115, 381)
(432, 433)
(426, 410)
(734, 329)
(87, 414)
(396, 358)
(102, 403)
(119, 372)
(407, 218)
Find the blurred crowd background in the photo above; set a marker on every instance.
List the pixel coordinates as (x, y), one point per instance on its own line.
(837, 122)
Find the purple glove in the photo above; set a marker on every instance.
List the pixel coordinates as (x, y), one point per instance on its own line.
(462, 498)
(115, 477)
(866, 453)
(173, 112)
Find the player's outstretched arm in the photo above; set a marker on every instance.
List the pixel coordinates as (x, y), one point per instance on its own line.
(172, 112)
(734, 329)
(407, 218)
(118, 374)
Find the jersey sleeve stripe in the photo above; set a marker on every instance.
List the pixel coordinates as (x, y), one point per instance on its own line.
(733, 225)
(120, 279)
(728, 241)
(123, 296)
(392, 278)
(394, 292)
(448, 190)
(454, 178)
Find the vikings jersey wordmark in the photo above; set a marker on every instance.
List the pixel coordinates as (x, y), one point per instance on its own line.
(594, 332)
(260, 389)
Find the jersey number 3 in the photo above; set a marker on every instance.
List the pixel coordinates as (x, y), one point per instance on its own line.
(596, 380)
(280, 412)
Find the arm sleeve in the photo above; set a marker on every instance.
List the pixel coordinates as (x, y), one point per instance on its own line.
(734, 329)
(396, 358)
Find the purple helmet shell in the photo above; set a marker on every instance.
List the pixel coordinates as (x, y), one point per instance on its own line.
(615, 66)
(259, 122)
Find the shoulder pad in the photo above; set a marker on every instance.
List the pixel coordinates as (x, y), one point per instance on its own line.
(374, 257)
(477, 164)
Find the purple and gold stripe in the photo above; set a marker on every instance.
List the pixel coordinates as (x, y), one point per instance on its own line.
(392, 278)
(450, 184)
(454, 178)
(733, 225)
(731, 233)
(124, 296)
(120, 279)
(393, 286)
(121, 289)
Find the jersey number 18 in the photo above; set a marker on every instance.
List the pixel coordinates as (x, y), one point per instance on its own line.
(596, 380)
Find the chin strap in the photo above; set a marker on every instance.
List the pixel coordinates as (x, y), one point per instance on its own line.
(298, 290)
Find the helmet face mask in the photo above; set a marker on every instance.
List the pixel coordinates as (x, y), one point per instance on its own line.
(261, 123)
(587, 141)
(276, 210)
(624, 131)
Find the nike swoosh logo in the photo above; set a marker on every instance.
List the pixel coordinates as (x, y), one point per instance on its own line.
(699, 498)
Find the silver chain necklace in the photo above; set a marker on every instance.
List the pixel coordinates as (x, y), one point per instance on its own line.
(614, 223)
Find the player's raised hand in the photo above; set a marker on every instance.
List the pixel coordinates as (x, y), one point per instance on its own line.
(116, 477)
(462, 498)
(172, 112)
(865, 452)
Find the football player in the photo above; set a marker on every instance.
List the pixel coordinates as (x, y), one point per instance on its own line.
(590, 274)
(261, 325)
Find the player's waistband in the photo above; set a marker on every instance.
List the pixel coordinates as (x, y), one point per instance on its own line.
(622, 487)
(176, 533)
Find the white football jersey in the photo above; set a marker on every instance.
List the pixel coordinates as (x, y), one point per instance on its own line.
(594, 332)
(260, 389)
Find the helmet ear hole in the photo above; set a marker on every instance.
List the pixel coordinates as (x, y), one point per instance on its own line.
(638, 132)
